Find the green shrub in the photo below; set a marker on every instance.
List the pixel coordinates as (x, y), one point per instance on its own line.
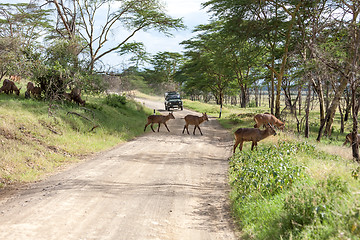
(275, 199)
(234, 118)
(115, 100)
(312, 211)
(266, 171)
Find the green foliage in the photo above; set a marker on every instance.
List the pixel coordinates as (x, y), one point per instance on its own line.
(312, 211)
(115, 100)
(267, 171)
(275, 199)
(234, 118)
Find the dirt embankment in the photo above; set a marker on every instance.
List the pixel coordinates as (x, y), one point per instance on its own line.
(157, 186)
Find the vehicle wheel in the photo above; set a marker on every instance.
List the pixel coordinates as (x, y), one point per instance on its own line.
(182, 108)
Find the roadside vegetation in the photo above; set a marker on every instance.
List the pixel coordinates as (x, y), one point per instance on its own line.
(291, 187)
(37, 138)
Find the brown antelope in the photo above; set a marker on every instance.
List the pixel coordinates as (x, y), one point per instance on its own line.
(263, 119)
(9, 87)
(35, 91)
(194, 120)
(15, 78)
(348, 139)
(158, 119)
(75, 95)
(253, 135)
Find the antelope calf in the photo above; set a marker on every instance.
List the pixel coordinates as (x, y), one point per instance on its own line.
(253, 135)
(263, 119)
(194, 120)
(348, 139)
(158, 119)
(35, 91)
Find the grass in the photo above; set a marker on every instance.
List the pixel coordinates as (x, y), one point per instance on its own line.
(37, 139)
(292, 187)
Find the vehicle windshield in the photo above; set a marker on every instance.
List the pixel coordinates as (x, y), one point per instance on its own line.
(175, 96)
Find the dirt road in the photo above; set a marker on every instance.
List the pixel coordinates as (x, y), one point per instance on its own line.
(157, 186)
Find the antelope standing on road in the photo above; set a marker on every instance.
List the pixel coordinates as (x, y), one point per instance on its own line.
(253, 135)
(158, 119)
(194, 120)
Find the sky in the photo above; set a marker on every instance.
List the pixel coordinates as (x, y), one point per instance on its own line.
(192, 14)
(189, 10)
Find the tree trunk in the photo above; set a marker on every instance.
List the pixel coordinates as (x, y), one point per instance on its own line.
(299, 99)
(256, 96)
(355, 110)
(260, 93)
(319, 90)
(342, 124)
(243, 97)
(272, 99)
(307, 110)
(221, 104)
(335, 103)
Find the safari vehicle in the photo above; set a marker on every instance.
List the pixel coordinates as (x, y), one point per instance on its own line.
(173, 100)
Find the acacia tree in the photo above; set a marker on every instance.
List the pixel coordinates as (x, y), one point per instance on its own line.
(83, 18)
(209, 54)
(271, 23)
(21, 26)
(166, 64)
(341, 55)
(353, 8)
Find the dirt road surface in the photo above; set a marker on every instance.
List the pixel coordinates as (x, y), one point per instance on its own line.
(157, 186)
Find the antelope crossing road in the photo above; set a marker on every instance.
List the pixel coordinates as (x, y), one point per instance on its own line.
(157, 186)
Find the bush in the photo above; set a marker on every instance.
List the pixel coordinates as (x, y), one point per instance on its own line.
(275, 199)
(115, 100)
(266, 171)
(312, 211)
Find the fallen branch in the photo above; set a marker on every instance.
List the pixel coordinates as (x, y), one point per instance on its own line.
(77, 114)
(95, 126)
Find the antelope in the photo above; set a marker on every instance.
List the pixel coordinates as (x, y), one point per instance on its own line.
(253, 135)
(15, 78)
(75, 95)
(348, 139)
(9, 87)
(194, 120)
(35, 91)
(263, 119)
(158, 119)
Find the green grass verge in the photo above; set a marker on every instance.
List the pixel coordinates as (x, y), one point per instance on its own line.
(37, 137)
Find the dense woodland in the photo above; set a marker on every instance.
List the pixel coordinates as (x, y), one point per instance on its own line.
(298, 53)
